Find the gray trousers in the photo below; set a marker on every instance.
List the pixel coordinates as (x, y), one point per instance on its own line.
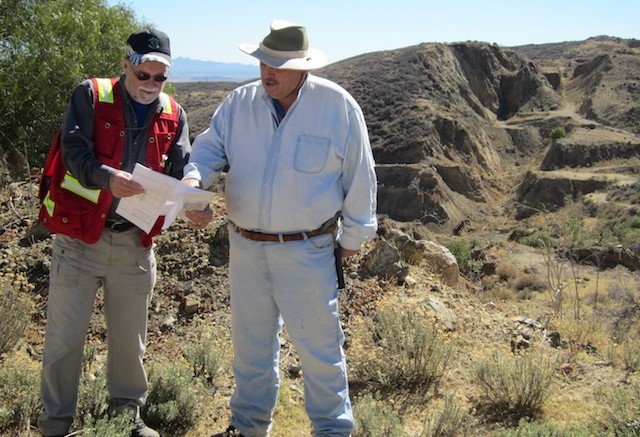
(127, 273)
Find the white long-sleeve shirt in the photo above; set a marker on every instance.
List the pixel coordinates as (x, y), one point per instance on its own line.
(295, 175)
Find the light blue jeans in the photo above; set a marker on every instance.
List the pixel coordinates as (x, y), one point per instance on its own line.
(127, 272)
(294, 283)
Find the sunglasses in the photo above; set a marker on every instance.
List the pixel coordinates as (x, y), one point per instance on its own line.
(143, 77)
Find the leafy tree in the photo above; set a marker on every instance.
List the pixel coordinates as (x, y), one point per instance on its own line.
(46, 48)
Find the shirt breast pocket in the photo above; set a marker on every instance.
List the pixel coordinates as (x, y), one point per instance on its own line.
(311, 153)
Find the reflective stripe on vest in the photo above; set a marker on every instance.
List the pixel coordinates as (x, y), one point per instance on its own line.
(105, 91)
(165, 101)
(49, 204)
(70, 183)
(105, 95)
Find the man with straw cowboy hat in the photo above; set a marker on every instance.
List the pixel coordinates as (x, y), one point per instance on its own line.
(300, 196)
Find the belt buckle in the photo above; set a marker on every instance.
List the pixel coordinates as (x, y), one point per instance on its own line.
(115, 225)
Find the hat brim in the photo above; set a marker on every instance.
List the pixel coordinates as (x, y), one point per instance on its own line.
(314, 59)
(138, 58)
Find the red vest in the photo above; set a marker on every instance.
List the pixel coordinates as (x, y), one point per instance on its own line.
(71, 209)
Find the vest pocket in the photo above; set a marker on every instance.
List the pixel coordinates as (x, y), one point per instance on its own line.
(71, 214)
(108, 138)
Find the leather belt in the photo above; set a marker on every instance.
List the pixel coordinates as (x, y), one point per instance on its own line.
(261, 236)
(118, 225)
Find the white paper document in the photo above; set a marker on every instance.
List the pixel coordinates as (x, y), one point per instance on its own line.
(163, 195)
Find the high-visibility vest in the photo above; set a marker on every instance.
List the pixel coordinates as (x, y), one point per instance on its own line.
(70, 208)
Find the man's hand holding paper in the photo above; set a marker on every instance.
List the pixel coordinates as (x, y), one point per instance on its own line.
(163, 195)
(197, 214)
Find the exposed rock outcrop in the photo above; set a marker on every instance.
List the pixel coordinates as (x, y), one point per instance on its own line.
(589, 146)
(432, 164)
(396, 250)
(547, 192)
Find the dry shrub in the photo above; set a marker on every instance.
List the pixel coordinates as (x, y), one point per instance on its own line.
(528, 281)
(630, 356)
(405, 353)
(449, 421)
(376, 418)
(623, 352)
(499, 293)
(596, 300)
(626, 315)
(507, 271)
(547, 429)
(513, 387)
(489, 282)
(19, 394)
(619, 409)
(584, 336)
(14, 314)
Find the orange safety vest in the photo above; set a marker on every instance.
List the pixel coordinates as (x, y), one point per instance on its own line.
(72, 209)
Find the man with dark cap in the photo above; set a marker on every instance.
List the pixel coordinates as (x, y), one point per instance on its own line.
(110, 125)
(300, 194)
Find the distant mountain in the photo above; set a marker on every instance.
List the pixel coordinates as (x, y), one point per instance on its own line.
(193, 70)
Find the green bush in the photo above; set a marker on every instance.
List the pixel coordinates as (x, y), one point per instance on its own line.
(46, 49)
(92, 412)
(172, 404)
(205, 357)
(461, 250)
(539, 239)
(634, 222)
(625, 316)
(616, 226)
(92, 392)
(106, 426)
(558, 132)
(513, 387)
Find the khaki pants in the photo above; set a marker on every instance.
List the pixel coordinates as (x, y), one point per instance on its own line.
(127, 273)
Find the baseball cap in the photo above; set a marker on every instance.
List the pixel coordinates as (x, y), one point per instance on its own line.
(148, 45)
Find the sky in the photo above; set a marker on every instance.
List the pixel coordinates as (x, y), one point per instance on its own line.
(210, 30)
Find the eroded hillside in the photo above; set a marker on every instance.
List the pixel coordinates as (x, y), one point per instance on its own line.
(457, 128)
